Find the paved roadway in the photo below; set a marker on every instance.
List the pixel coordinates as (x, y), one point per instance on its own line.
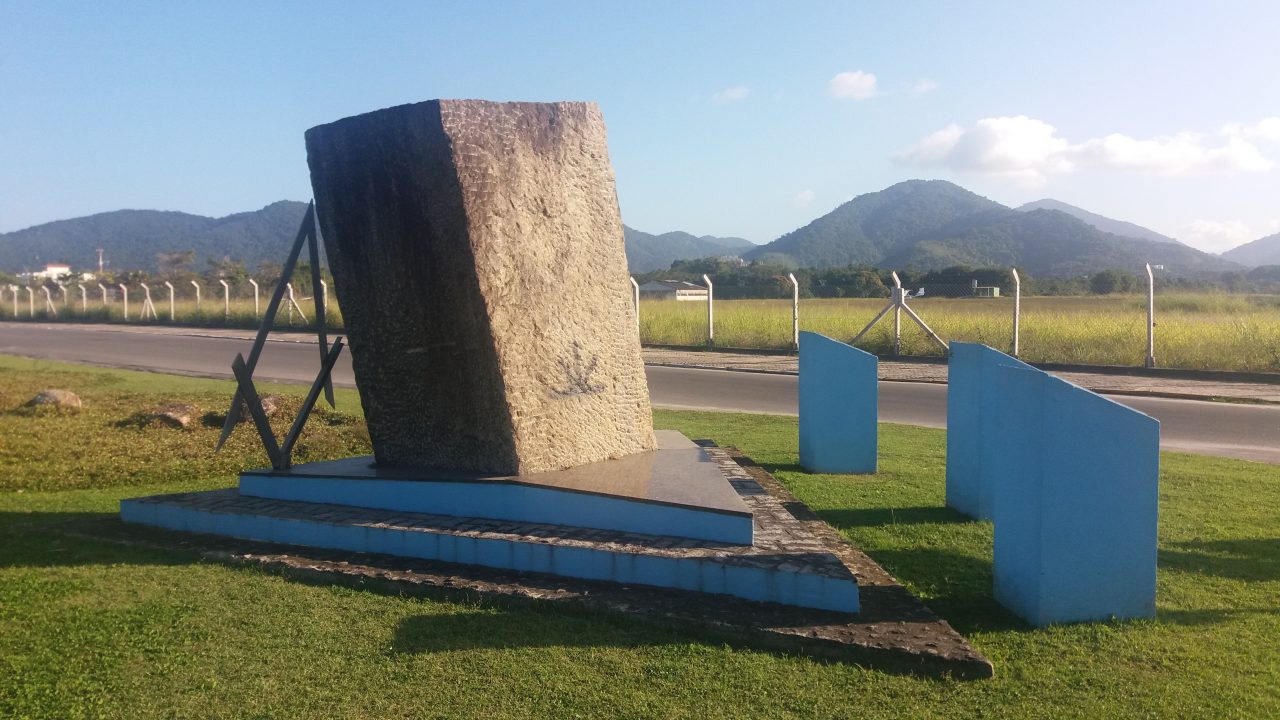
(1250, 432)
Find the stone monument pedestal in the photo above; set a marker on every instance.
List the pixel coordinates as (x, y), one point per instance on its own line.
(670, 518)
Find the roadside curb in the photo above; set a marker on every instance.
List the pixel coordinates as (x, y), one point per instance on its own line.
(925, 381)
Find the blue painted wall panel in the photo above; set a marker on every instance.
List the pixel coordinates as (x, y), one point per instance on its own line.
(838, 394)
(968, 421)
(1075, 481)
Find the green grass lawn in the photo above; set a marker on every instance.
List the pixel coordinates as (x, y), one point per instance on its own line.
(97, 628)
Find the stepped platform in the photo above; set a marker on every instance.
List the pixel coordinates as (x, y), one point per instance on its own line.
(782, 561)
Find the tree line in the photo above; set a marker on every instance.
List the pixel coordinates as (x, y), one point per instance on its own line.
(734, 279)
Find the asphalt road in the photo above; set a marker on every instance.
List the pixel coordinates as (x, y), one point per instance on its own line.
(1250, 432)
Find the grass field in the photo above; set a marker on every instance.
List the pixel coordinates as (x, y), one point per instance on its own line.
(1201, 331)
(94, 628)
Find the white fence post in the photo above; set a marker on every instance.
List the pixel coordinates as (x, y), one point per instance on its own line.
(795, 311)
(124, 297)
(254, 283)
(226, 300)
(635, 303)
(148, 309)
(31, 301)
(49, 307)
(293, 305)
(171, 313)
(1017, 309)
(324, 299)
(84, 298)
(1151, 318)
(196, 285)
(103, 288)
(63, 288)
(14, 290)
(711, 317)
(897, 314)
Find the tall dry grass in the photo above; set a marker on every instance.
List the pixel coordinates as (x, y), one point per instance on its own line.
(1200, 331)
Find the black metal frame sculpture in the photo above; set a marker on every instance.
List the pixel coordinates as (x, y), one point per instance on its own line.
(281, 453)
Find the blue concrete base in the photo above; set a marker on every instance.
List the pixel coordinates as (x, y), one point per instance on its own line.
(754, 574)
(838, 394)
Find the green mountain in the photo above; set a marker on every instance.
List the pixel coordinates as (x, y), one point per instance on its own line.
(1103, 223)
(647, 252)
(131, 239)
(930, 225)
(864, 230)
(1263, 251)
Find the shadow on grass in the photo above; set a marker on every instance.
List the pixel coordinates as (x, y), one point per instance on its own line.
(871, 517)
(954, 585)
(62, 539)
(1256, 559)
(1210, 617)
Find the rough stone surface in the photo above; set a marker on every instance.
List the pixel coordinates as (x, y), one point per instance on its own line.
(177, 415)
(55, 397)
(477, 251)
(271, 405)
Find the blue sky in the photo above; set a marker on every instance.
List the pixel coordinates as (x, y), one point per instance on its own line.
(725, 118)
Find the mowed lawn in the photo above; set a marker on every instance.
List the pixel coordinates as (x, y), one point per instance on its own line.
(94, 627)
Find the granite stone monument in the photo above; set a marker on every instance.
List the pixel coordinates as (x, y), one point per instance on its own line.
(478, 255)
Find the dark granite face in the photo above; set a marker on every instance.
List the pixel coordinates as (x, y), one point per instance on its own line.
(390, 209)
(477, 253)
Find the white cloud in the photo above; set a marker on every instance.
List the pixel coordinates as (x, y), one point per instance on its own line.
(802, 199)
(924, 85)
(1020, 148)
(852, 85)
(1216, 235)
(731, 95)
(1267, 129)
(1027, 150)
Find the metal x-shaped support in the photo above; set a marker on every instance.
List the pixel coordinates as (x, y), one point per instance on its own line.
(281, 453)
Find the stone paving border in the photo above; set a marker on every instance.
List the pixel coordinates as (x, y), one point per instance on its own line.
(894, 630)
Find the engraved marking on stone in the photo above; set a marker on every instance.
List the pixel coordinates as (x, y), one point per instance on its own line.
(577, 375)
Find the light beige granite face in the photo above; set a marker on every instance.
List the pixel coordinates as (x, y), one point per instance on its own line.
(478, 257)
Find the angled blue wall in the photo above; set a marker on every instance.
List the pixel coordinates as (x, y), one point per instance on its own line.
(968, 461)
(838, 394)
(1074, 481)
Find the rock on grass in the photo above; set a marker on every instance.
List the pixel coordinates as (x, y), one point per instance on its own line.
(55, 398)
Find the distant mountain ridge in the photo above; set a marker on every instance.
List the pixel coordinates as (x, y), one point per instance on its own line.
(934, 224)
(647, 252)
(915, 225)
(1263, 251)
(131, 239)
(1103, 223)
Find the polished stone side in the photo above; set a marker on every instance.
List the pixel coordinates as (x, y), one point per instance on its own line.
(838, 395)
(478, 256)
(676, 491)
